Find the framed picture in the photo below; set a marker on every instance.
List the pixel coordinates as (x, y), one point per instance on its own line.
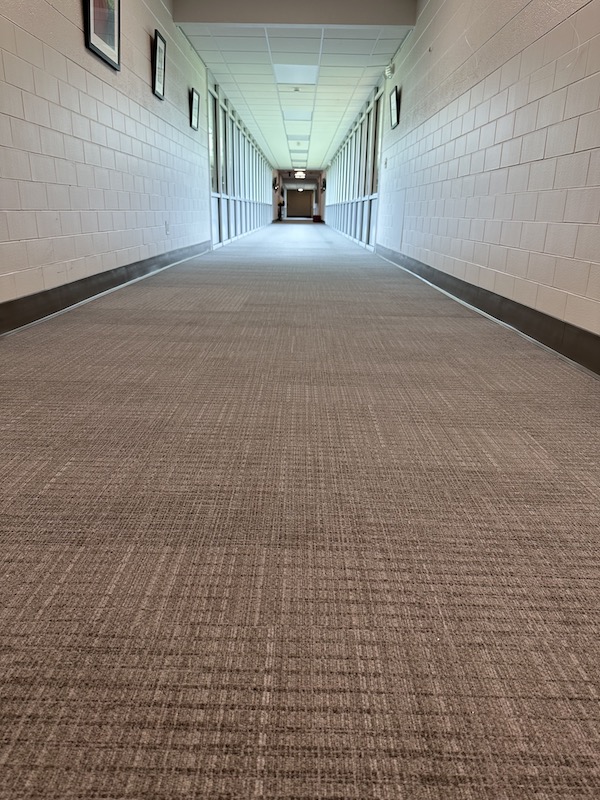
(194, 109)
(102, 22)
(394, 106)
(159, 63)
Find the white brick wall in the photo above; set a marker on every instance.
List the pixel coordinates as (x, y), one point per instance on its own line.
(498, 151)
(92, 164)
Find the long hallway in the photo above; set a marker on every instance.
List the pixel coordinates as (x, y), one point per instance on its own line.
(283, 521)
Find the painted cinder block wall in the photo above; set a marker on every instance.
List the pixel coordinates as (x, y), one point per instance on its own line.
(95, 171)
(493, 174)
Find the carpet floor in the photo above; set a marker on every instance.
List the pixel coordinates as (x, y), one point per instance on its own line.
(285, 522)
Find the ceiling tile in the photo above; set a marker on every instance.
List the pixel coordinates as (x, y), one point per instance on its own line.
(247, 58)
(386, 47)
(240, 43)
(256, 69)
(372, 72)
(296, 32)
(340, 72)
(342, 60)
(395, 32)
(287, 45)
(378, 60)
(293, 59)
(195, 28)
(258, 96)
(247, 31)
(372, 32)
(213, 57)
(349, 46)
(297, 99)
(297, 129)
(203, 43)
(255, 79)
(303, 90)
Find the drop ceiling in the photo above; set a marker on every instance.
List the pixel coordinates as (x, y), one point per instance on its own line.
(296, 88)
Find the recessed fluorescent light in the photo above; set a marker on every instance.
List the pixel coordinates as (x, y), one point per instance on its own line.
(295, 73)
(297, 115)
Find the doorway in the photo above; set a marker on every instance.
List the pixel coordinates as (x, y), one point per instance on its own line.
(299, 203)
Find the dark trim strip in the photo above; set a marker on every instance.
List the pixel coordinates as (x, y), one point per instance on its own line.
(579, 345)
(24, 310)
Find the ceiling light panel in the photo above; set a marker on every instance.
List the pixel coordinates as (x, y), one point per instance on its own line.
(295, 73)
(297, 115)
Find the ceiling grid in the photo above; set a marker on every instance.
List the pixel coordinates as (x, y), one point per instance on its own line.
(296, 88)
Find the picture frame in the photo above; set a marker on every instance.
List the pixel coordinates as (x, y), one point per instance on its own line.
(102, 24)
(394, 107)
(159, 64)
(194, 109)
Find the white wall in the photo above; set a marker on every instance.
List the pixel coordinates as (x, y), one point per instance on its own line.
(493, 174)
(92, 164)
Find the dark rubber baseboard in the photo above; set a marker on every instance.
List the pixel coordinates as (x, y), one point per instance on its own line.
(16, 313)
(575, 343)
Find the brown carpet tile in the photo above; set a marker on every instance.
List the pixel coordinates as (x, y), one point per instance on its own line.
(285, 522)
